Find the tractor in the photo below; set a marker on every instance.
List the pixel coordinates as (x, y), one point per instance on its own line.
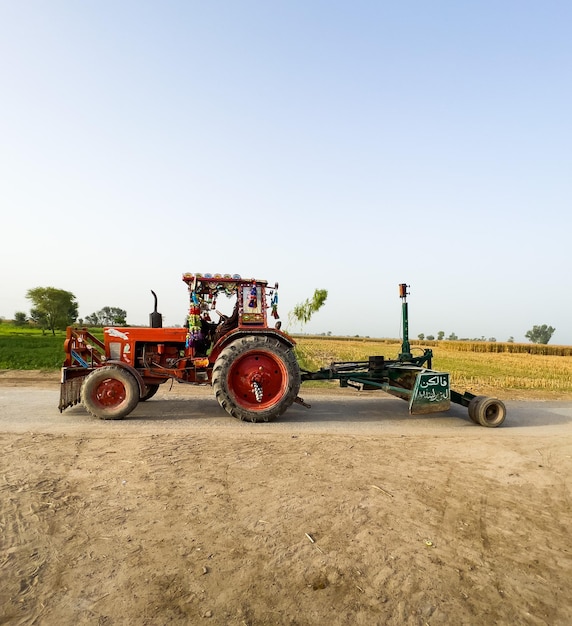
(251, 365)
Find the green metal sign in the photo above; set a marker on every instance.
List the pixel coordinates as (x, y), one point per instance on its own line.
(431, 393)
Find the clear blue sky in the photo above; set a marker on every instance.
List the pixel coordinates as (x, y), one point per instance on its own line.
(348, 146)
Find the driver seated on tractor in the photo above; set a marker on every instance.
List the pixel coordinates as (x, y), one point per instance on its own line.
(208, 330)
(226, 324)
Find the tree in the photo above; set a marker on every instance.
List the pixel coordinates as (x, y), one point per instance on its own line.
(540, 334)
(452, 337)
(108, 316)
(20, 318)
(430, 337)
(420, 336)
(53, 308)
(440, 335)
(303, 312)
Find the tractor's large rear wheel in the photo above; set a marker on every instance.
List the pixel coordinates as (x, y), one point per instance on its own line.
(256, 378)
(110, 393)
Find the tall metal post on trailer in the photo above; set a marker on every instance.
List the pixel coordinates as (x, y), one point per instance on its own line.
(405, 347)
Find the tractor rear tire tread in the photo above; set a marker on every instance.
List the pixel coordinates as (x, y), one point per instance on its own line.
(239, 349)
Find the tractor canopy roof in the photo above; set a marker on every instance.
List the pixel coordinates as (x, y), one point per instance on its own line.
(251, 298)
(217, 283)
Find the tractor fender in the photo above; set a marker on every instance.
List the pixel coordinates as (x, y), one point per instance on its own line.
(133, 372)
(236, 334)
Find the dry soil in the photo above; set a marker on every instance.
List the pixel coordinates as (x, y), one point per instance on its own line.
(412, 522)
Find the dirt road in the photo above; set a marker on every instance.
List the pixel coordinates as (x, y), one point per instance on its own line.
(349, 513)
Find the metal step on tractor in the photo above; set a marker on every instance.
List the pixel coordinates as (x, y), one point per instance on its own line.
(251, 365)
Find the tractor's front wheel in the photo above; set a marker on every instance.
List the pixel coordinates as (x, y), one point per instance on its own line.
(256, 378)
(110, 393)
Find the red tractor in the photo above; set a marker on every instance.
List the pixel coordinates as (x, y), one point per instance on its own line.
(251, 366)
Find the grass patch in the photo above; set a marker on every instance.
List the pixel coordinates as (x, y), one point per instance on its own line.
(27, 348)
(31, 352)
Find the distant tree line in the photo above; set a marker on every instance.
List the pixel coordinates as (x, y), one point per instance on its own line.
(108, 316)
(537, 334)
(55, 309)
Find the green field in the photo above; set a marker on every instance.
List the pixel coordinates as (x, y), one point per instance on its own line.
(25, 348)
(503, 369)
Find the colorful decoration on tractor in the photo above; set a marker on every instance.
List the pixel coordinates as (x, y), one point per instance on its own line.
(274, 303)
(253, 297)
(194, 321)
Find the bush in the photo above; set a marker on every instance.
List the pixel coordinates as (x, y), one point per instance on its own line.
(20, 318)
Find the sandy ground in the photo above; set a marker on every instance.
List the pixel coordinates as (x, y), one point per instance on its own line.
(342, 518)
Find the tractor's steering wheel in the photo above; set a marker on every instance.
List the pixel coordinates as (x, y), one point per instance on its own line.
(222, 316)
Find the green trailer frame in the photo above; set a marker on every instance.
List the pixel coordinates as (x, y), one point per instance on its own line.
(412, 379)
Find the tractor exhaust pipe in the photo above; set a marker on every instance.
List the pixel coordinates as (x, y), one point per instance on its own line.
(155, 319)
